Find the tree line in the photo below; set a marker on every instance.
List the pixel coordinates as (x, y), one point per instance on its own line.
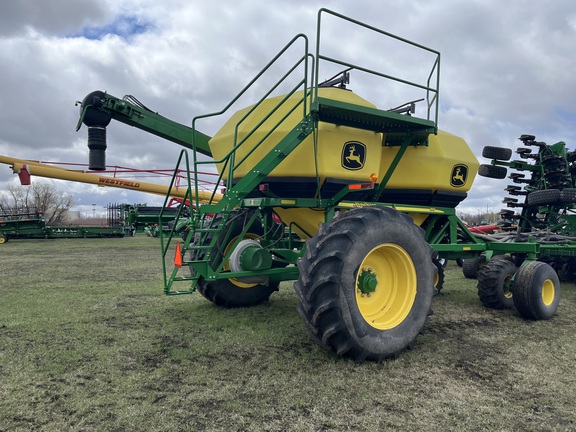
(41, 197)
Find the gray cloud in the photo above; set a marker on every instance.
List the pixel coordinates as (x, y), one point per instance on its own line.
(507, 68)
(54, 17)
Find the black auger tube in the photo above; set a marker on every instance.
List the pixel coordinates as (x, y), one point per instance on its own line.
(96, 119)
(97, 147)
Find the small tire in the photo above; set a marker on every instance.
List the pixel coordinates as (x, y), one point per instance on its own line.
(492, 171)
(470, 267)
(232, 293)
(543, 197)
(566, 270)
(3, 239)
(495, 282)
(500, 153)
(440, 264)
(536, 291)
(224, 293)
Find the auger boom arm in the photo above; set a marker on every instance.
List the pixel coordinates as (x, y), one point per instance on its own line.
(25, 168)
(99, 108)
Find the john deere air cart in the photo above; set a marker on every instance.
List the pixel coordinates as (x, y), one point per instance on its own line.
(353, 202)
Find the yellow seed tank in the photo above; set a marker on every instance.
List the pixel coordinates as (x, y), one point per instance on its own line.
(437, 174)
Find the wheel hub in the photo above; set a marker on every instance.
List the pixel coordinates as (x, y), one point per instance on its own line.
(367, 282)
(250, 256)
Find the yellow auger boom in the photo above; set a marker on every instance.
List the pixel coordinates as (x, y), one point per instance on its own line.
(26, 168)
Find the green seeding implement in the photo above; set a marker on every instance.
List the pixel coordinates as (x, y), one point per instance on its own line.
(352, 202)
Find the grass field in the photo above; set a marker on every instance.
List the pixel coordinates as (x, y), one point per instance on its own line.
(89, 343)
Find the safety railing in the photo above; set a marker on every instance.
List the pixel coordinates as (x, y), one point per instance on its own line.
(431, 86)
(228, 162)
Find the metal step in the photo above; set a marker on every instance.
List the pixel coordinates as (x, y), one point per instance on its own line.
(395, 126)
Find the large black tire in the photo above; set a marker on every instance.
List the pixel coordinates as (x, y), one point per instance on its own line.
(500, 153)
(536, 291)
(495, 282)
(369, 249)
(543, 197)
(492, 171)
(232, 293)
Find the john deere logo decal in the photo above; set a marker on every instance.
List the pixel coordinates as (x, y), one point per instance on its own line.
(353, 155)
(459, 175)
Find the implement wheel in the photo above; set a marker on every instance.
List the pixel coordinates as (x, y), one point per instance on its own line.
(439, 278)
(366, 284)
(495, 282)
(568, 196)
(543, 197)
(3, 239)
(231, 293)
(492, 171)
(536, 291)
(501, 153)
(471, 267)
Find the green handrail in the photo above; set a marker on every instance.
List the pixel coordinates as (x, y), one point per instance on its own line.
(434, 72)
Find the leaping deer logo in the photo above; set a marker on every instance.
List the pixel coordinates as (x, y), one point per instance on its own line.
(459, 175)
(353, 155)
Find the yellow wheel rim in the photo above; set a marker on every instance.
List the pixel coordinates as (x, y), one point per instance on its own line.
(238, 283)
(2, 240)
(386, 286)
(548, 292)
(507, 292)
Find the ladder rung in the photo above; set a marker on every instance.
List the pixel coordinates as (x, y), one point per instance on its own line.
(193, 262)
(192, 248)
(185, 278)
(206, 230)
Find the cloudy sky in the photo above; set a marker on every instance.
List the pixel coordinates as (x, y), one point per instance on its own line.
(508, 68)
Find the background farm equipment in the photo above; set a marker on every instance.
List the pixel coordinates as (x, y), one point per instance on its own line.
(21, 224)
(354, 203)
(541, 203)
(544, 178)
(143, 218)
(30, 224)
